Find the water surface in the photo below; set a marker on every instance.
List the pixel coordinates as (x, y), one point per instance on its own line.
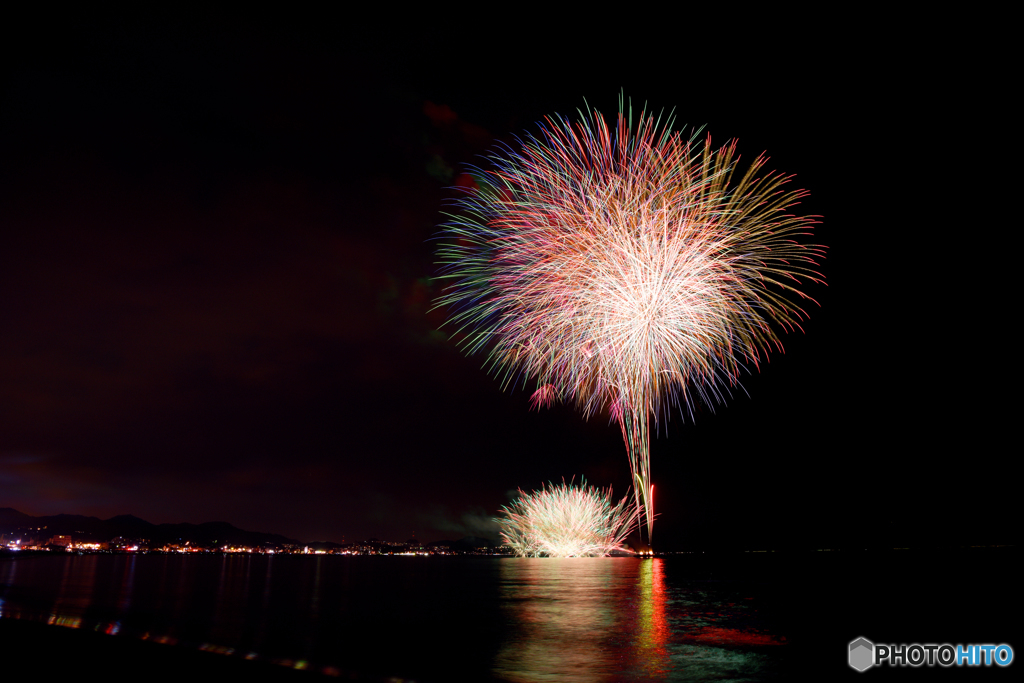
(424, 619)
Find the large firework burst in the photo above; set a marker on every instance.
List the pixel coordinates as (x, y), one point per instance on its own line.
(625, 269)
(567, 521)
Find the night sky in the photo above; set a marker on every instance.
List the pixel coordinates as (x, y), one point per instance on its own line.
(216, 261)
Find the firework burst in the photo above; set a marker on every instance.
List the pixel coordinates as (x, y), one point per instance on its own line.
(567, 521)
(627, 269)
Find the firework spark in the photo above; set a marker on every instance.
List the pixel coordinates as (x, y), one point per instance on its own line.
(567, 521)
(625, 270)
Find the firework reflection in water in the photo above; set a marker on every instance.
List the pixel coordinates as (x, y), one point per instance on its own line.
(624, 270)
(567, 521)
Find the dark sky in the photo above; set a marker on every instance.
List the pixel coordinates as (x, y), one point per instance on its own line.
(216, 256)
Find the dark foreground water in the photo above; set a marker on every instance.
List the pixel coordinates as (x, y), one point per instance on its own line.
(479, 619)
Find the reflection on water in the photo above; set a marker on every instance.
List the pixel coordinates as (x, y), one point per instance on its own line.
(76, 584)
(561, 610)
(654, 632)
(511, 619)
(583, 619)
(605, 619)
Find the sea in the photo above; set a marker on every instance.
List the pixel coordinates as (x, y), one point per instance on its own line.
(677, 618)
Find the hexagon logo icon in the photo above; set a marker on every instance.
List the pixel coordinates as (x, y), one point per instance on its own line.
(862, 654)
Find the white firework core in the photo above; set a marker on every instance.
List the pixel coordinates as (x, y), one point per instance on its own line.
(567, 521)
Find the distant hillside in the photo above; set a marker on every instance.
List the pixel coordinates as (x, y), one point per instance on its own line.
(10, 516)
(130, 526)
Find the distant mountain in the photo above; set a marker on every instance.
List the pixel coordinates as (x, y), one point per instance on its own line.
(128, 521)
(129, 526)
(10, 516)
(471, 543)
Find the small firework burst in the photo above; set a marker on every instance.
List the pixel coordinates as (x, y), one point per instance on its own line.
(567, 521)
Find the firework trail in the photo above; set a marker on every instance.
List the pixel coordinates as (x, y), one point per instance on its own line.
(629, 269)
(567, 521)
